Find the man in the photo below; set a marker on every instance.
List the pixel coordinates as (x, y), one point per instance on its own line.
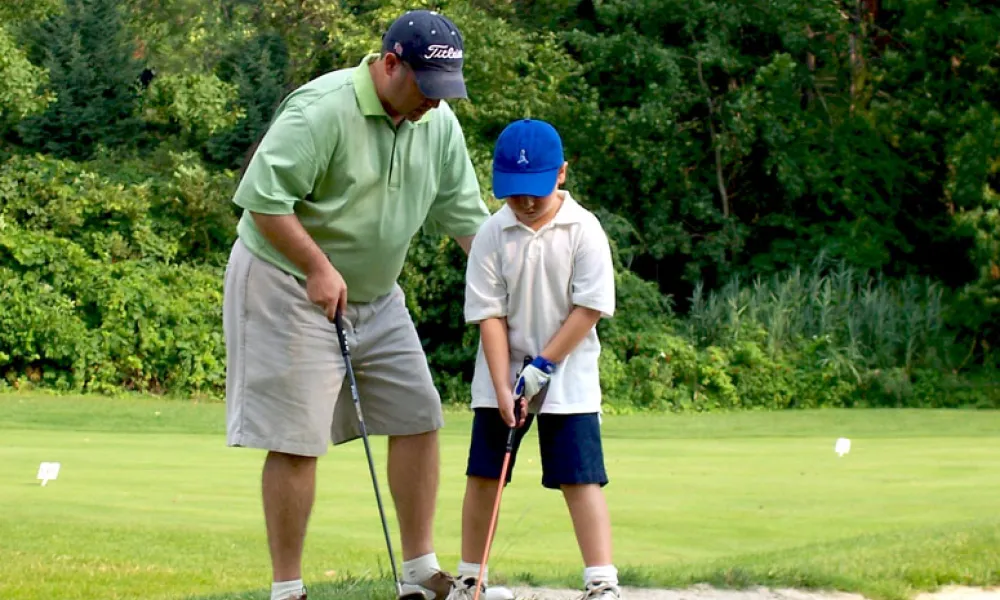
(354, 163)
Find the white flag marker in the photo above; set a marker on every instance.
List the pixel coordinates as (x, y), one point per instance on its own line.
(47, 471)
(842, 447)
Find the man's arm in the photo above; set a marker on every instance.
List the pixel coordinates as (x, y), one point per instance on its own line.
(459, 209)
(324, 284)
(288, 236)
(281, 173)
(465, 241)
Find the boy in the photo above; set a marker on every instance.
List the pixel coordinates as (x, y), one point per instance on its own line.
(538, 280)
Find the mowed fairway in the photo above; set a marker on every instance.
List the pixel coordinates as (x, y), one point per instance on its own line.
(151, 504)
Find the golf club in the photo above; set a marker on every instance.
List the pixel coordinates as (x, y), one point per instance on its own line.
(368, 452)
(500, 486)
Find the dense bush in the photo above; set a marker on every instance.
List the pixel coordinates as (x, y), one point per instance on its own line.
(724, 147)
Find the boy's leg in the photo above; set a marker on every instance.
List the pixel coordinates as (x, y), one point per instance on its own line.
(591, 522)
(487, 448)
(573, 462)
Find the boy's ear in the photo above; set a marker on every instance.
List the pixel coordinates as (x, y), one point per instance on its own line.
(561, 179)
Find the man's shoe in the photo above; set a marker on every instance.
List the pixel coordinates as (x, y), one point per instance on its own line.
(436, 587)
(601, 590)
(465, 589)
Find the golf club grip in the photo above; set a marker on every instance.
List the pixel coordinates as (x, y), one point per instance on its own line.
(341, 337)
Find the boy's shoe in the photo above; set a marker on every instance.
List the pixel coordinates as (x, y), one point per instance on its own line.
(301, 596)
(436, 587)
(465, 589)
(600, 590)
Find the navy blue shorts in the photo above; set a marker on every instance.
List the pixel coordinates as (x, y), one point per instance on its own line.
(569, 445)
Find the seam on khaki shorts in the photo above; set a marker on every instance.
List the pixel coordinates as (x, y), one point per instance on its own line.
(243, 319)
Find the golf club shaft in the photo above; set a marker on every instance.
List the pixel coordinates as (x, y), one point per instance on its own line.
(496, 502)
(368, 452)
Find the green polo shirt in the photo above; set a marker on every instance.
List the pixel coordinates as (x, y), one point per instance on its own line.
(361, 186)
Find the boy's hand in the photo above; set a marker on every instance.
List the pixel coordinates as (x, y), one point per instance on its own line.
(534, 377)
(513, 415)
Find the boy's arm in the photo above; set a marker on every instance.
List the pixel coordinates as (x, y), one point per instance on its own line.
(486, 304)
(497, 351)
(593, 294)
(580, 321)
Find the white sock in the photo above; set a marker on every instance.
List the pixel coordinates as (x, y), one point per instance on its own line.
(280, 590)
(472, 570)
(420, 568)
(602, 573)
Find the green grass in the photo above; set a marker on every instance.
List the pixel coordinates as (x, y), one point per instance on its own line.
(151, 504)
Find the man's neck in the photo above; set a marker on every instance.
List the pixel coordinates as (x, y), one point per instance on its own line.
(377, 81)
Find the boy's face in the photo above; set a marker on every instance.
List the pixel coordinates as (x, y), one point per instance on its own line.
(532, 210)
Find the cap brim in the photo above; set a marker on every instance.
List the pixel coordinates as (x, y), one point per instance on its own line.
(524, 184)
(441, 85)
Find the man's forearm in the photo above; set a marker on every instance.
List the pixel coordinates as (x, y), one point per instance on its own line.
(465, 241)
(580, 321)
(497, 351)
(288, 236)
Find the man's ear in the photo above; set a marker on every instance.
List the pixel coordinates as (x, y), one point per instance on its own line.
(561, 179)
(392, 62)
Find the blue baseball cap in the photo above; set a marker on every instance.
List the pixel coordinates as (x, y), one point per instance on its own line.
(527, 159)
(433, 47)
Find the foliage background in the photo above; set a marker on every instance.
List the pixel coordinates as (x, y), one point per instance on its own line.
(804, 197)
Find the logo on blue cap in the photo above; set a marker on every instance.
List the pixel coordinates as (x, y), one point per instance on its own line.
(433, 47)
(527, 159)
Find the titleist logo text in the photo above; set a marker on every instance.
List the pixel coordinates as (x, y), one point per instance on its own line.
(442, 51)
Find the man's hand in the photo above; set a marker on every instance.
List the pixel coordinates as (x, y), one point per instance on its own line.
(326, 288)
(534, 377)
(506, 402)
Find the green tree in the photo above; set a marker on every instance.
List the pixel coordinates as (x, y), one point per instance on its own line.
(259, 70)
(90, 57)
(21, 84)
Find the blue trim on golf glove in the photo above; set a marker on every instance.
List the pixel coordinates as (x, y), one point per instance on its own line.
(534, 377)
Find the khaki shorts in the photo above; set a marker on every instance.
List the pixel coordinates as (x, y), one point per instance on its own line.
(285, 372)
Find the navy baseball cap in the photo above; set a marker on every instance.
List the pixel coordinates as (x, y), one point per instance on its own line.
(432, 45)
(527, 159)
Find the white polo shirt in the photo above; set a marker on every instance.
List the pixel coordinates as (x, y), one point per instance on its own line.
(535, 279)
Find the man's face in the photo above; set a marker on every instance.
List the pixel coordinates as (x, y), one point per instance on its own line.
(402, 93)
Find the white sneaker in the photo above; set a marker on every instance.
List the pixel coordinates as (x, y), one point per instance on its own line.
(465, 589)
(601, 590)
(497, 592)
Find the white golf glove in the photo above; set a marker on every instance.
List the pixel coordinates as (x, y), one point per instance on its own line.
(533, 377)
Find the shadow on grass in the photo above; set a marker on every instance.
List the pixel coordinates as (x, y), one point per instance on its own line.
(347, 589)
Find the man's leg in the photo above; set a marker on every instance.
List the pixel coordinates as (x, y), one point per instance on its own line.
(288, 487)
(283, 372)
(414, 467)
(399, 400)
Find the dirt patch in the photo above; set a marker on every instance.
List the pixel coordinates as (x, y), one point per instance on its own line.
(705, 592)
(957, 592)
